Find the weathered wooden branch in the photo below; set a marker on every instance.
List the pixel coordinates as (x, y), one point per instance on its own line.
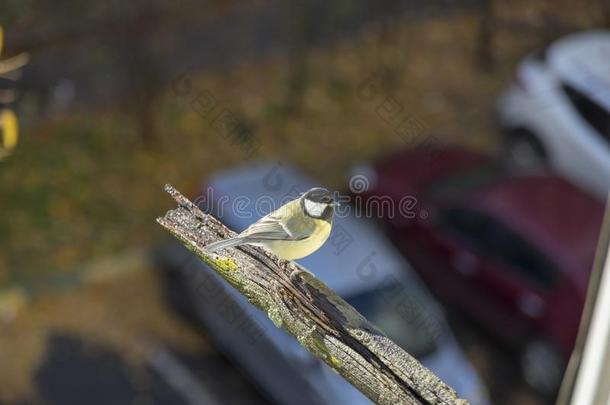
(318, 318)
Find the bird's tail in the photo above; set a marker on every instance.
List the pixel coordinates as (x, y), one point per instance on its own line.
(223, 244)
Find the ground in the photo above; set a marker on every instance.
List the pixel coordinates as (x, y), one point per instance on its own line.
(109, 341)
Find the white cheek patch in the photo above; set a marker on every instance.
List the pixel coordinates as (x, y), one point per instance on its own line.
(314, 209)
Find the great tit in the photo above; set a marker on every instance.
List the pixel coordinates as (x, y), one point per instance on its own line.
(295, 230)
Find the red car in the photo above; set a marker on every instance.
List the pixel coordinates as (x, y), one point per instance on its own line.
(513, 252)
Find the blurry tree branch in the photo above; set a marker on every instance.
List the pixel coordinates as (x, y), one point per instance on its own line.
(485, 36)
(317, 317)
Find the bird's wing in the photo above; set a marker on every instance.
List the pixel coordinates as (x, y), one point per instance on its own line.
(271, 228)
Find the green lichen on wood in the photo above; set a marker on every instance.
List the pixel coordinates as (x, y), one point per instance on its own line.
(224, 264)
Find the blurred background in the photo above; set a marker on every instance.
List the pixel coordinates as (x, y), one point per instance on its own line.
(492, 115)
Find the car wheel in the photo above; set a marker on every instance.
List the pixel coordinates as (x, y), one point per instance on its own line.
(523, 151)
(542, 366)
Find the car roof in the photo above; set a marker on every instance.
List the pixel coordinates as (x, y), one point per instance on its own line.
(550, 211)
(583, 61)
(412, 170)
(357, 255)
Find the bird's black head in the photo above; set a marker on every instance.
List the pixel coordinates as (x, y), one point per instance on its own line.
(319, 203)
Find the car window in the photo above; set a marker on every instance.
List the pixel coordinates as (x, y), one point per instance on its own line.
(593, 113)
(492, 240)
(462, 181)
(402, 316)
(468, 226)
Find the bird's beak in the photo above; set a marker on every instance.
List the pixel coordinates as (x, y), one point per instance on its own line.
(336, 204)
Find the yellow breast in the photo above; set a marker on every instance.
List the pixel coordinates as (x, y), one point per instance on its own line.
(291, 250)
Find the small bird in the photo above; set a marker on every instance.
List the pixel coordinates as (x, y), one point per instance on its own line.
(295, 230)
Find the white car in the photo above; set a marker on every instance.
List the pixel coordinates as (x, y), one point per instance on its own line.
(557, 111)
(357, 261)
